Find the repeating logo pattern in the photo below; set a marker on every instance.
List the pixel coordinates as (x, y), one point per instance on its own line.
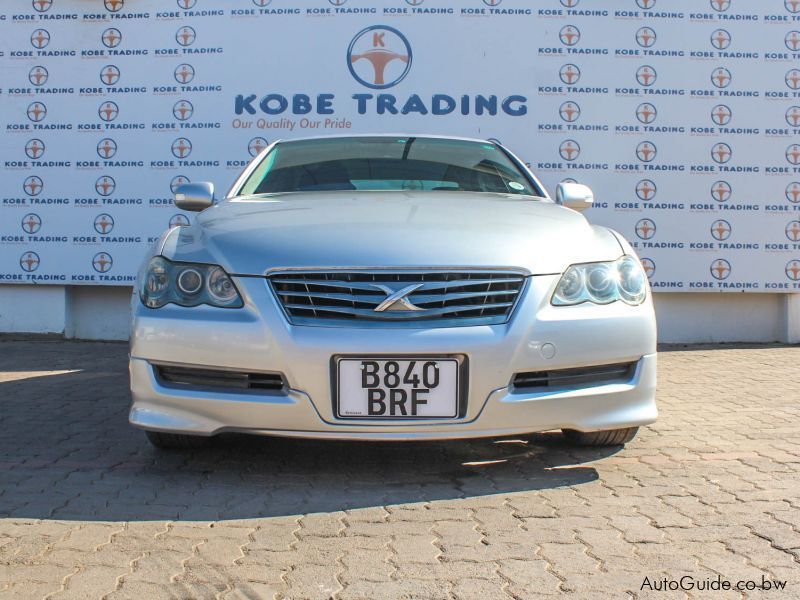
(686, 137)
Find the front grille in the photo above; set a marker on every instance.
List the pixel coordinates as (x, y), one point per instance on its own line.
(434, 298)
(580, 377)
(213, 378)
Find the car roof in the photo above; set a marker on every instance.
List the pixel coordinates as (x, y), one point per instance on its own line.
(345, 136)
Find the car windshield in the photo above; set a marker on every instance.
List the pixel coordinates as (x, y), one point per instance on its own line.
(387, 164)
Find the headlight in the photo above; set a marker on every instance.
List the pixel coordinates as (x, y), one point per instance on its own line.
(166, 282)
(602, 283)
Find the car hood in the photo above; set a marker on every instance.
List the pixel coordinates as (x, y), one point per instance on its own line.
(251, 235)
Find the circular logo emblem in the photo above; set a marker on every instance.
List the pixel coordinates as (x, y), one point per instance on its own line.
(40, 38)
(37, 111)
(31, 223)
(649, 267)
(379, 57)
(176, 182)
(111, 37)
(793, 6)
(256, 145)
(42, 5)
(721, 114)
(262, 3)
(106, 148)
(720, 5)
(114, 5)
(646, 75)
(569, 74)
(721, 77)
(646, 113)
(185, 36)
(720, 39)
(793, 192)
(792, 40)
(793, 154)
(105, 185)
(102, 262)
(186, 4)
(109, 74)
(646, 152)
(104, 224)
(569, 35)
(29, 261)
(646, 37)
(492, 2)
(182, 110)
(569, 150)
(38, 76)
(570, 3)
(793, 116)
(721, 230)
(108, 111)
(721, 153)
(793, 270)
(33, 185)
(337, 2)
(646, 189)
(721, 191)
(645, 229)
(569, 112)
(178, 220)
(181, 148)
(34, 148)
(793, 231)
(414, 2)
(184, 73)
(793, 79)
(720, 269)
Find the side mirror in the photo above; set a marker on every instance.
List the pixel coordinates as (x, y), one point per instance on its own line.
(575, 196)
(194, 197)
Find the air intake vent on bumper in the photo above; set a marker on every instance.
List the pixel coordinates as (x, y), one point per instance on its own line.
(217, 379)
(579, 377)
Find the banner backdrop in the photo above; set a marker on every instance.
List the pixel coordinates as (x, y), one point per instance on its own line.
(682, 115)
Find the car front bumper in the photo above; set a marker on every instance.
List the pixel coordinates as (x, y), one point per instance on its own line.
(257, 338)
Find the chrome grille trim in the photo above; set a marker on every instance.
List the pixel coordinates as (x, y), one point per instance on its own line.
(446, 297)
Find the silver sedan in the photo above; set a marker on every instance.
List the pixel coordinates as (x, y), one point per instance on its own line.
(391, 288)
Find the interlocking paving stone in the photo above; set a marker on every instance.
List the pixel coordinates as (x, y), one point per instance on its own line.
(89, 510)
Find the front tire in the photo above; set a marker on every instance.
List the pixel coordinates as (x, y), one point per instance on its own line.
(175, 441)
(611, 437)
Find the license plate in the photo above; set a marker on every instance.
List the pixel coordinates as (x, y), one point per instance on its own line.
(387, 388)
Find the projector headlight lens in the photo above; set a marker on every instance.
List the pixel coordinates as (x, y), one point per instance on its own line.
(632, 280)
(185, 284)
(220, 287)
(189, 281)
(602, 283)
(571, 287)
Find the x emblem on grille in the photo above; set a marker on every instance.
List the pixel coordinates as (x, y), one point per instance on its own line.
(397, 300)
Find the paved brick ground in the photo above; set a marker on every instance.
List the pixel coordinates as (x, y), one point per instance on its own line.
(89, 510)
